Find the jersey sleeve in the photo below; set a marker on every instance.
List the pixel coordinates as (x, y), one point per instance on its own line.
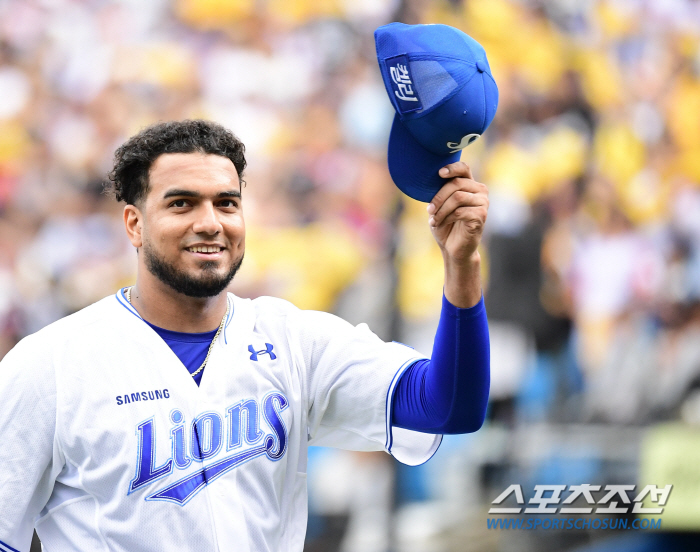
(351, 375)
(29, 457)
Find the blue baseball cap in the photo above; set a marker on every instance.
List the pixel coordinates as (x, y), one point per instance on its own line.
(440, 83)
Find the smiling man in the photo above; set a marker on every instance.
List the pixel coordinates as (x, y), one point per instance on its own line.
(176, 416)
(189, 205)
(190, 234)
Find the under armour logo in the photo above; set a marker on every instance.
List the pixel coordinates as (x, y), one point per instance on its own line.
(267, 350)
(466, 140)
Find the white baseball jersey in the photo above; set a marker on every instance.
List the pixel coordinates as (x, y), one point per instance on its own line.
(108, 443)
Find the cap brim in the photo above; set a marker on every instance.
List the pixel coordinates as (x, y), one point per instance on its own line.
(413, 168)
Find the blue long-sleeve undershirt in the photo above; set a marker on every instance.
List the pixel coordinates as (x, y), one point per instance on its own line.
(448, 393)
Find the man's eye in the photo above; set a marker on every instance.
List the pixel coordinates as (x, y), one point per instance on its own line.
(178, 203)
(228, 203)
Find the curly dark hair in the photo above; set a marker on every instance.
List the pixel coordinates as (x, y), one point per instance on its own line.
(128, 180)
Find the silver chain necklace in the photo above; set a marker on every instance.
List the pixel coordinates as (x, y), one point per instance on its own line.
(211, 346)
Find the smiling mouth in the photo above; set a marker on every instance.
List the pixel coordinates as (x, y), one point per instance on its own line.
(205, 249)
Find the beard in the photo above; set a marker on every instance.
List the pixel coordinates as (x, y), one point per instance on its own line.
(208, 284)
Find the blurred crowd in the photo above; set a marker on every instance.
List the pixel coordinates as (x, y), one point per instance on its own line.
(592, 252)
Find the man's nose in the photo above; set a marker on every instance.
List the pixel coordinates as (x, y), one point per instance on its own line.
(207, 220)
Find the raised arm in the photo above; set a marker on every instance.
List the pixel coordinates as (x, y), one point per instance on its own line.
(457, 217)
(449, 393)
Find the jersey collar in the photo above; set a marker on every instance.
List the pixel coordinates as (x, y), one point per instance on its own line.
(121, 298)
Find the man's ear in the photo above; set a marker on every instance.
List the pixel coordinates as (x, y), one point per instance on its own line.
(133, 222)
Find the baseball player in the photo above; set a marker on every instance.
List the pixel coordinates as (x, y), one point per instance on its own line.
(176, 416)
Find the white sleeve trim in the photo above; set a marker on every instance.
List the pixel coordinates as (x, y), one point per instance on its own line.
(412, 448)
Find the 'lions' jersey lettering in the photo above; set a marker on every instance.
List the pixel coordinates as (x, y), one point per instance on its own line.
(206, 442)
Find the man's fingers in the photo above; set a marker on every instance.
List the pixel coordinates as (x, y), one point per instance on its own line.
(450, 187)
(474, 217)
(455, 170)
(459, 177)
(460, 208)
(457, 200)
